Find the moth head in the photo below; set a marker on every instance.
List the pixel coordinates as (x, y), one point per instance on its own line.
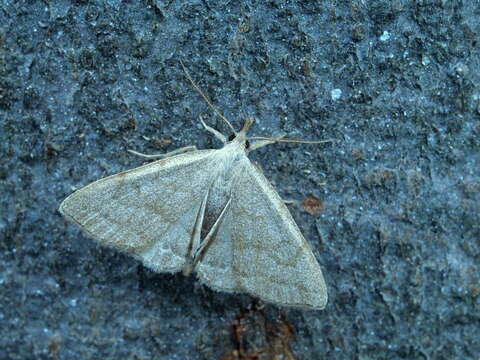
(252, 143)
(246, 142)
(241, 136)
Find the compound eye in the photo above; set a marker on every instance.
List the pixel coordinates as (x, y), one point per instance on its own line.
(247, 144)
(231, 137)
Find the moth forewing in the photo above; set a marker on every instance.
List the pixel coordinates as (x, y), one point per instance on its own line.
(260, 249)
(147, 211)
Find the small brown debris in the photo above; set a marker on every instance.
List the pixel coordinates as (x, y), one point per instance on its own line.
(380, 177)
(256, 337)
(132, 123)
(312, 205)
(163, 142)
(55, 346)
(52, 149)
(358, 154)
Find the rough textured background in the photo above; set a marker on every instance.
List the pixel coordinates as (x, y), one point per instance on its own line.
(395, 83)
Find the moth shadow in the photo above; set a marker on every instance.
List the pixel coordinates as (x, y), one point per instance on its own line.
(188, 292)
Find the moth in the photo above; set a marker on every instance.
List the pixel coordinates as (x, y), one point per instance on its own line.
(208, 212)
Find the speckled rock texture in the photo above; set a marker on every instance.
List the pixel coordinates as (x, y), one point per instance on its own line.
(396, 195)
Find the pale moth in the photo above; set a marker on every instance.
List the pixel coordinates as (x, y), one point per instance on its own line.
(211, 212)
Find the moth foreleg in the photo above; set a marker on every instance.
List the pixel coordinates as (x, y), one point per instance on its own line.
(217, 133)
(165, 155)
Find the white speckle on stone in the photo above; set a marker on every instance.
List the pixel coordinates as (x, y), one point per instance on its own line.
(425, 60)
(336, 94)
(385, 36)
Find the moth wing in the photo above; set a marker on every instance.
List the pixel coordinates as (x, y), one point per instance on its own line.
(260, 250)
(148, 212)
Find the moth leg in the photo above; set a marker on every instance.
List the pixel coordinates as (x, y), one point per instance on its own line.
(195, 239)
(210, 236)
(217, 133)
(171, 153)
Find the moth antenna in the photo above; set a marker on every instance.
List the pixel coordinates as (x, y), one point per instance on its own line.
(205, 97)
(280, 139)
